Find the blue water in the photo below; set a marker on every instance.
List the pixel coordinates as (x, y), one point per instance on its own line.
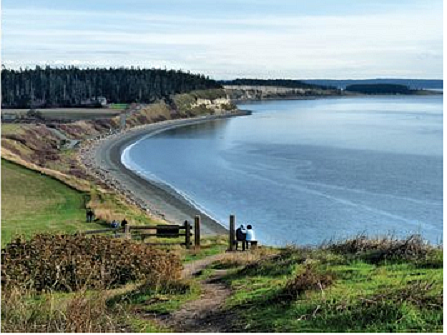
(310, 170)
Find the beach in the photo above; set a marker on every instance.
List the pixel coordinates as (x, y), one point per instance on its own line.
(102, 159)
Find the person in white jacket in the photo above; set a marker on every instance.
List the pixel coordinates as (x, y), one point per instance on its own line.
(250, 236)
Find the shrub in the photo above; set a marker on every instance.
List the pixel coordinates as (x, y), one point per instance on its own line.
(71, 262)
(309, 280)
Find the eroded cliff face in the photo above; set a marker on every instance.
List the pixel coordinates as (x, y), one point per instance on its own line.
(216, 106)
(246, 92)
(36, 146)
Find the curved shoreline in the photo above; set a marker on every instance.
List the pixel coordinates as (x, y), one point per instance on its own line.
(103, 158)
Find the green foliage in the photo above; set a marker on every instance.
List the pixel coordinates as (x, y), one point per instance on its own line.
(72, 87)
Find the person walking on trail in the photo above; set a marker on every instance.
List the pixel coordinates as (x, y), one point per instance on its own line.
(88, 215)
(123, 223)
(241, 237)
(251, 237)
(114, 224)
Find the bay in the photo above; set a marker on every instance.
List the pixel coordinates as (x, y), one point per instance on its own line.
(305, 171)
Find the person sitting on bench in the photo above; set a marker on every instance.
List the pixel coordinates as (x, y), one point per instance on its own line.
(241, 237)
(251, 237)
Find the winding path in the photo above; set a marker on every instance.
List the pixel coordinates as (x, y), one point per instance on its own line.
(207, 313)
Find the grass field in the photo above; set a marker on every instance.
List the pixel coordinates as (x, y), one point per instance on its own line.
(33, 203)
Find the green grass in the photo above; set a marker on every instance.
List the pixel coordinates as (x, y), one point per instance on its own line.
(398, 296)
(33, 203)
(210, 245)
(118, 106)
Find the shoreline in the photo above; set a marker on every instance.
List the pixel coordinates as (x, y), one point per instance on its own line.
(102, 158)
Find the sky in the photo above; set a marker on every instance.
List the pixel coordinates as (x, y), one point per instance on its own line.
(226, 39)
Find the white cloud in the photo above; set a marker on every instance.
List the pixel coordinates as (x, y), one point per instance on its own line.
(404, 44)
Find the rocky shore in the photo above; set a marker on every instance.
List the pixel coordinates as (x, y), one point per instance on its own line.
(101, 158)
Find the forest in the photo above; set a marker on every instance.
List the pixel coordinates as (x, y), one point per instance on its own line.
(289, 83)
(74, 87)
(379, 89)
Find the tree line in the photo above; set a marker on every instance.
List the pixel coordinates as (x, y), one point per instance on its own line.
(75, 87)
(379, 89)
(289, 83)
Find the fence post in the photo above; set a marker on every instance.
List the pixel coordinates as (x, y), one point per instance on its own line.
(187, 235)
(232, 232)
(197, 232)
(127, 231)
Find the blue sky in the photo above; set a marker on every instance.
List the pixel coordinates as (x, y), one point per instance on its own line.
(231, 38)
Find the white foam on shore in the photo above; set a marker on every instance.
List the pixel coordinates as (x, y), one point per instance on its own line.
(127, 161)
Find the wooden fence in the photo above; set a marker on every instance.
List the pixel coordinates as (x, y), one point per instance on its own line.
(159, 231)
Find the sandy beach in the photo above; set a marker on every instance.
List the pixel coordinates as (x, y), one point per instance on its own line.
(102, 158)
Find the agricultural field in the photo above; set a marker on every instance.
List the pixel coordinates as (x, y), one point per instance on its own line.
(71, 113)
(32, 203)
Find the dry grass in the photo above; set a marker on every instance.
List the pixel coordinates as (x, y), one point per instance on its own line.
(309, 280)
(245, 258)
(71, 263)
(85, 312)
(376, 250)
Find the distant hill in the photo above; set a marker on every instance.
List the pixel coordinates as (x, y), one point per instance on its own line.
(411, 83)
(289, 83)
(379, 89)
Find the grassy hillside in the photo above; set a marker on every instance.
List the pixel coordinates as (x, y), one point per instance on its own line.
(359, 285)
(382, 286)
(33, 203)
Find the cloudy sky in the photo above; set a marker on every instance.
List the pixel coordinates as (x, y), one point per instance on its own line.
(231, 38)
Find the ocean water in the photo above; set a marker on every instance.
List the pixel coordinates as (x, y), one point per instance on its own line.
(305, 171)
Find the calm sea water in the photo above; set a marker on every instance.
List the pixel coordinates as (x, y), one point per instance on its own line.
(306, 171)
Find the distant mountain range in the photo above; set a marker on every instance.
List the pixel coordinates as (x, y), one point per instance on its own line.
(411, 83)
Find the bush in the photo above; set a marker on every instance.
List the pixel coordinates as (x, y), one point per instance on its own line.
(71, 262)
(309, 280)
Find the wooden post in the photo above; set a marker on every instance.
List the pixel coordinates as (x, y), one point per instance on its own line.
(197, 232)
(127, 231)
(187, 235)
(232, 232)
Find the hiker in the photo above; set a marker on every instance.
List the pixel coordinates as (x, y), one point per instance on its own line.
(114, 224)
(251, 237)
(241, 237)
(123, 223)
(90, 215)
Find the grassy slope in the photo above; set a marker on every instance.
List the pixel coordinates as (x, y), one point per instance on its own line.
(364, 297)
(33, 203)
(399, 295)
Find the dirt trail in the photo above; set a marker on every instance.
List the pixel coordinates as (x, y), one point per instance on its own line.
(204, 314)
